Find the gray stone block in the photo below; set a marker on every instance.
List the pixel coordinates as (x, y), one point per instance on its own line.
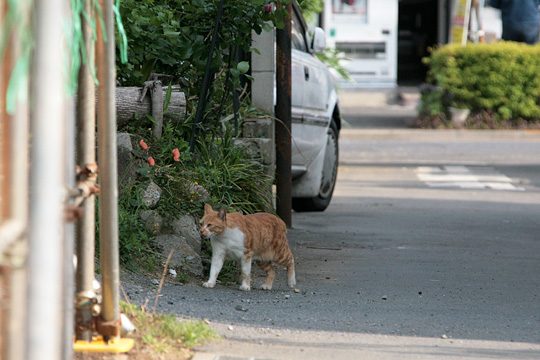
(153, 222)
(258, 128)
(183, 256)
(186, 226)
(259, 149)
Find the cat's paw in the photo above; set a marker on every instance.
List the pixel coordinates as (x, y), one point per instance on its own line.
(208, 284)
(266, 287)
(245, 287)
(292, 283)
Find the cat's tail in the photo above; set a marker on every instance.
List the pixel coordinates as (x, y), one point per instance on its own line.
(285, 258)
(291, 275)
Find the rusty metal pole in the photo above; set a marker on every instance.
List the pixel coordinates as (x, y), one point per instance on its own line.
(86, 155)
(107, 158)
(283, 126)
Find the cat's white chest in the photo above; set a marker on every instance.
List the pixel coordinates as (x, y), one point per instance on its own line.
(231, 241)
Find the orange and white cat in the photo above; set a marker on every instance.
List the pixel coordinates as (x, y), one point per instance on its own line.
(260, 237)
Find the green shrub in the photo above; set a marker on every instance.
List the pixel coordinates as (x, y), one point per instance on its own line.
(432, 101)
(135, 242)
(224, 170)
(503, 78)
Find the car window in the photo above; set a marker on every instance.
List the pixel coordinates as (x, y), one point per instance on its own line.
(298, 41)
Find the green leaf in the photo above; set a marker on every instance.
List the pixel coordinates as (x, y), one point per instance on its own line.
(255, 50)
(235, 73)
(171, 33)
(242, 67)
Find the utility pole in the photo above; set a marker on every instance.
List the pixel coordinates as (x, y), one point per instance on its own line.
(283, 126)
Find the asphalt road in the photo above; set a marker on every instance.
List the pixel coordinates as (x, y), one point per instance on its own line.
(430, 249)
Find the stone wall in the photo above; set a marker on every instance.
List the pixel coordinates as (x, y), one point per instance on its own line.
(178, 233)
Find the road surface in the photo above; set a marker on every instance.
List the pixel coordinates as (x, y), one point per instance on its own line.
(430, 249)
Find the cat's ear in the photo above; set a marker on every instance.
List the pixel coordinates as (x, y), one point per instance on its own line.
(222, 214)
(208, 208)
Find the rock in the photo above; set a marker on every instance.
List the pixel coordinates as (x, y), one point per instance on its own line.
(183, 257)
(287, 296)
(123, 141)
(296, 290)
(230, 327)
(151, 195)
(186, 227)
(444, 336)
(127, 165)
(155, 281)
(153, 222)
(385, 297)
(240, 308)
(172, 272)
(199, 191)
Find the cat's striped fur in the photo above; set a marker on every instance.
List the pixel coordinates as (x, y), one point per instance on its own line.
(261, 237)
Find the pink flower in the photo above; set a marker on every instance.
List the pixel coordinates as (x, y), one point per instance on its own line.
(268, 8)
(143, 145)
(176, 154)
(151, 161)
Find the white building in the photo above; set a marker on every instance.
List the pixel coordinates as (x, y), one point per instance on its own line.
(384, 41)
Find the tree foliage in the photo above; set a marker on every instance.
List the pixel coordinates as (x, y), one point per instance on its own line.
(311, 7)
(172, 36)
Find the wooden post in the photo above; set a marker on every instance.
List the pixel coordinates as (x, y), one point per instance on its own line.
(283, 127)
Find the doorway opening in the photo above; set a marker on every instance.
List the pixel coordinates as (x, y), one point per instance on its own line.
(417, 32)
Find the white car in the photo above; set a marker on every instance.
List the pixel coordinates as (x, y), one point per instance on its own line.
(316, 120)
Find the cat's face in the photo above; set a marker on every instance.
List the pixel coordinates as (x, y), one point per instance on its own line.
(212, 222)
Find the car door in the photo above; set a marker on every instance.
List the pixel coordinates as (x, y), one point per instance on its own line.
(316, 91)
(308, 130)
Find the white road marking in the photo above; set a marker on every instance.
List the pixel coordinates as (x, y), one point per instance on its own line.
(463, 177)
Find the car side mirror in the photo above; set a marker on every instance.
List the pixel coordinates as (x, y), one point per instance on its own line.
(318, 43)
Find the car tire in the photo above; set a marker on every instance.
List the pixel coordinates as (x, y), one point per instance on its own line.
(328, 180)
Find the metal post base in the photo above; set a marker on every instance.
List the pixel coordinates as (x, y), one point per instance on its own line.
(120, 345)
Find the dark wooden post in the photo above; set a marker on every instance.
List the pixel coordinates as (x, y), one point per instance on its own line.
(283, 127)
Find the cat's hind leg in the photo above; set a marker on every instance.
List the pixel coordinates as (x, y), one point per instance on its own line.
(246, 273)
(270, 274)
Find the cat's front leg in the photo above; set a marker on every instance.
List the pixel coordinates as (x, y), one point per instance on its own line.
(246, 273)
(218, 256)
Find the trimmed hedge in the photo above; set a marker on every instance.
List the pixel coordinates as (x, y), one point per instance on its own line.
(502, 78)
